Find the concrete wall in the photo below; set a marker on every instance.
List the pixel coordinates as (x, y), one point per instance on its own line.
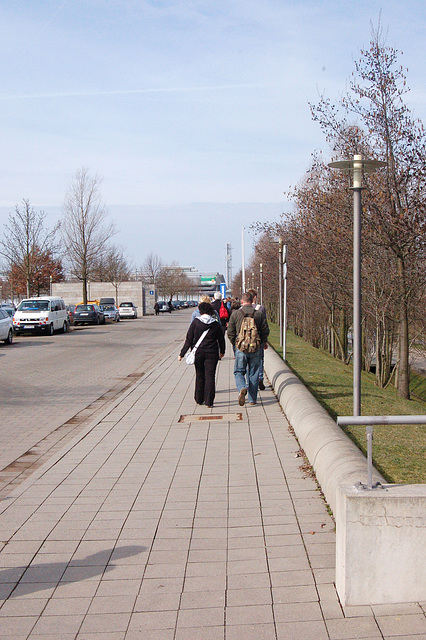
(380, 533)
(143, 296)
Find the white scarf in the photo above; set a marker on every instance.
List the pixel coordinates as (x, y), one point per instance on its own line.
(207, 319)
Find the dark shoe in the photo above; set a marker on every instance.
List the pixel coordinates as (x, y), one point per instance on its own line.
(242, 397)
(261, 385)
(253, 403)
(209, 406)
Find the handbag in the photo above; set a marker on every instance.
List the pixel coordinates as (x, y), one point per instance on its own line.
(190, 356)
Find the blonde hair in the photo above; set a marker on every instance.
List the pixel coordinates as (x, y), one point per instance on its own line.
(205, 298)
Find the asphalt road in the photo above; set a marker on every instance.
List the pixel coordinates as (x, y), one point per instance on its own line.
(47, 382)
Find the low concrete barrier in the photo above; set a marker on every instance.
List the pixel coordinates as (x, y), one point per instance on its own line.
(380, 533)
(335, 459)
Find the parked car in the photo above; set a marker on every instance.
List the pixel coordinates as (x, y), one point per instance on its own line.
(6, 327)
(164, 307)
(70, 311)
(103, 301)
(110, 312)
(88, 314)
(9, 308)
(44, 314)
(127, 310)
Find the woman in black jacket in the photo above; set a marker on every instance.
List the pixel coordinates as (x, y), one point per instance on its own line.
(208, 353)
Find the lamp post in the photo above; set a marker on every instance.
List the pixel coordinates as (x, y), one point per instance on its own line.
(261, 282)
(50, 285)
(280, 287)
(243, 266)
(284, 336)
(357, 166)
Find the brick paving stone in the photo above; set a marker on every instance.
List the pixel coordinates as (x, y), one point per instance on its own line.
(49, 624)
(120, 635)
(295, 594)
(353, 628)
(393, 625)
(251, 632)
(105, 623)
(308, 630)
(249, 614)
(199, 633)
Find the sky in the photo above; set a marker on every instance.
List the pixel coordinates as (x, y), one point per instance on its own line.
(194, 113)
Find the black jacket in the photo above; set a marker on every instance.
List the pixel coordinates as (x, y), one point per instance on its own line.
(216, 304)
(212, 344)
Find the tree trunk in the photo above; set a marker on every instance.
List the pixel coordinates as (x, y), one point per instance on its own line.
(84, 290)
(403, 385)
(343, 335)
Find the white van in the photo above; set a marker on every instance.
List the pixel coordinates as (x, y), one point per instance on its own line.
(47, 314)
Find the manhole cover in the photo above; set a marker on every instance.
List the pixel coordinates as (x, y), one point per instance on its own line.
(224, 417)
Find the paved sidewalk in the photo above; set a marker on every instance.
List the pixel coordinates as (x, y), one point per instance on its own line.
(155, 525)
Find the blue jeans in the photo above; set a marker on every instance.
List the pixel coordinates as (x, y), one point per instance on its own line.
(246, 372)
(262, 358)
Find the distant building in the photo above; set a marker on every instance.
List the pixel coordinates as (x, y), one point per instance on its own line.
(206, 283)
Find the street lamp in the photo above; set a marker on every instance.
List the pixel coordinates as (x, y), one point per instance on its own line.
(261, 282)
(357, 166)
(280, 287)
(284, 330)
(243, 266)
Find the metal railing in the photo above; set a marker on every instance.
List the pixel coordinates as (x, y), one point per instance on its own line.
(369, 422)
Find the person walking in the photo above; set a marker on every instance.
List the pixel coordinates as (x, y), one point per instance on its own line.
(222, 311)
(157, 309)
(210, 350)
(247, 362)
(196, 312)
(261, 308)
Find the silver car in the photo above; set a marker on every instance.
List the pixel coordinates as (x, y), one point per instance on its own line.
(127, 310)
(110, 312)
(6, 327)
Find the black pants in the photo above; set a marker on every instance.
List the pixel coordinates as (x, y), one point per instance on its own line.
(205, 378)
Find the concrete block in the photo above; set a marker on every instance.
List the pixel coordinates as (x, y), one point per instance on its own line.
(381, 544)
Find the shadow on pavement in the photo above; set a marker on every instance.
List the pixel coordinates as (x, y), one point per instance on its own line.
(38, 577)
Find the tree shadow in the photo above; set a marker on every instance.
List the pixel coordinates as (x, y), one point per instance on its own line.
(41, 576)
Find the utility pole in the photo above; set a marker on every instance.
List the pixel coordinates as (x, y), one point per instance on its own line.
(229, 265)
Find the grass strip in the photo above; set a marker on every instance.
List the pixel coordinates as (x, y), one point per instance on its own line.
(399, 451)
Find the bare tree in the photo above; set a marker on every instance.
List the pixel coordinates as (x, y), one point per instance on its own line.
(171, 281)
(86, 231)
(152, 268)
(116, 268)
(25, 240)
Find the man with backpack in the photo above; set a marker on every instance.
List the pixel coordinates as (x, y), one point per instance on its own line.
(259, 307)
(248, 330)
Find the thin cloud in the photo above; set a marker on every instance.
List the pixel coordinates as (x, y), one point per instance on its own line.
(124, 92)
